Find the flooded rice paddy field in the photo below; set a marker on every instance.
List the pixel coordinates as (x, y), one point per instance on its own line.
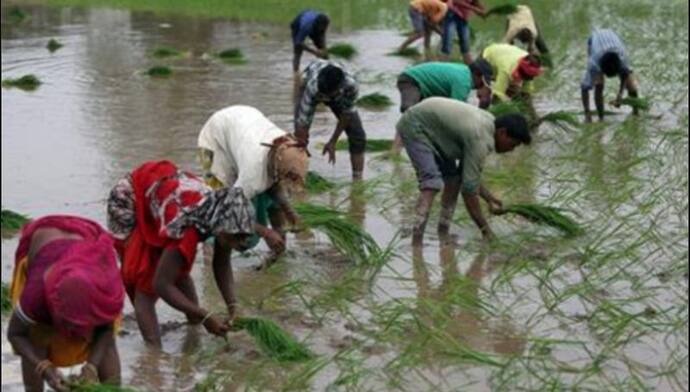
(604, 311)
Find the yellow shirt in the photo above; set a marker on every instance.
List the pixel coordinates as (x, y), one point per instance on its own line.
(435, 10)
(504, 59)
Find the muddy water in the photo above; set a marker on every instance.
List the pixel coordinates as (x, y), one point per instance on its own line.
(535, 305)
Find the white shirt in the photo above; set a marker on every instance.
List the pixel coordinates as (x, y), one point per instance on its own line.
(234, 135)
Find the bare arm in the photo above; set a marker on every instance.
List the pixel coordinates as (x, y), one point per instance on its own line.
(18, 335)
(169, 267)
(585, 105)
(329, 148)
(103, 337)
(222, 272)
(472, 204)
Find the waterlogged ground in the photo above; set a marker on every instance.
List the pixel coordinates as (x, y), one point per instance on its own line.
(604, 311)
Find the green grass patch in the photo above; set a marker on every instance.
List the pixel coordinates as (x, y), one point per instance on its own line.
(159, 71)
(642, 104)
(503, 9)
(6, 302)
(273, 340)
(374, 101)
(17, 15)
(166, 51)
(343, 50)
(232, 56)
(350, 239)
(407, 52)
(373, 145)
(546, 215)
(27, 83)
(315, 183)
(53, 45)
(13, 221)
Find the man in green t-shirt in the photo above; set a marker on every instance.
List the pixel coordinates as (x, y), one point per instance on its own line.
(448, 80)
(437, 134)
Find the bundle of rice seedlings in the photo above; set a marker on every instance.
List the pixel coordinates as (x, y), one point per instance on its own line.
(546, 60)
(373, 145)
(10, 220)
(273, 340)
(53, 45)
(560, 118)
(16, 15)
(165, 51)
(407, 52)
(316, 184)
(76, 386)
(546, 215)
(6, 302)
(343, 50)
(374, 101)
(504, 9)
(232, 56)
(350, 239)
(27, 82)
(636, 103)
(159, 71)
(508, 107)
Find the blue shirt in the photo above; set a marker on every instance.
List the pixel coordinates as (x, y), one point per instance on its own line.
(305, 22)
(601, 42)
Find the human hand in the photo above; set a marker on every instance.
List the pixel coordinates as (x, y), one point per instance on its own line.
(616, 103)
(293, 218)
(329, 149)
(215, 325)
(488, 235)
(88, 374)
(55, 379)
(275, 241)
(496, 206)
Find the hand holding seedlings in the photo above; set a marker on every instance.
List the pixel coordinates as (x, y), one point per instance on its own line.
(329, 149)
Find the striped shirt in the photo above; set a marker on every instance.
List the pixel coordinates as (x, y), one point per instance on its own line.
(601, 42)
(343, 102)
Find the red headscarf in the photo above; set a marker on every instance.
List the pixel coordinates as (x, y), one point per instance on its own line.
(83, 288)
(526, 67)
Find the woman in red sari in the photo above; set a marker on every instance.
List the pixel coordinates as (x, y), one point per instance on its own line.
(66, 295)
(158, 214)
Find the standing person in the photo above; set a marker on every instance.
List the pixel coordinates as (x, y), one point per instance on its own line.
(158, 214)
(329, 83)
(521, 26)
(513, 70)
(312, 24)
(447, 80)
(240, 147)
(459, 14)
(439, 132)
(425, 16)
(67, 295)
(606, 57)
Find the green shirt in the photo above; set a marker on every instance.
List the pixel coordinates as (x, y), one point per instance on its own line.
(455, 131)
(449, 80)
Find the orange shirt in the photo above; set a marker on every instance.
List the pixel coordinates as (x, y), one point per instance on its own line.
(435, 10)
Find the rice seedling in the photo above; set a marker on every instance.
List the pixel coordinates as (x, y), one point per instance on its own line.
(508, 107)
(27, 83)
(6, 302)
(503, 9)
(53, 45)
(343, 50)
(165, 51)
(232, 56)
(546, 60)
(16, 15)
(636, 103)
(10, 220)
(407, 52)
(374, 101)
(159, 71)
(315, 183)
(350, 239)
(90, 387)
(546, 215)
(373, 145)
(273, 340)
(559, 118)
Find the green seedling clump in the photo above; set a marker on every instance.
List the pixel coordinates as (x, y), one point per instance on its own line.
(407, 52)
(343, 50)
(16, 15)
(159, 71)
(509, 107)
(315, 183)
(350, 239)
(546, 215)
(504, 9)
(53, 45)
(86, 387)
(165, 51)
(374, 101)
(10, 220)
(26, 82)
(373, 145)
(273, 340)
(560, 118)
(636, 103)
(6, 302)
(232, 56)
